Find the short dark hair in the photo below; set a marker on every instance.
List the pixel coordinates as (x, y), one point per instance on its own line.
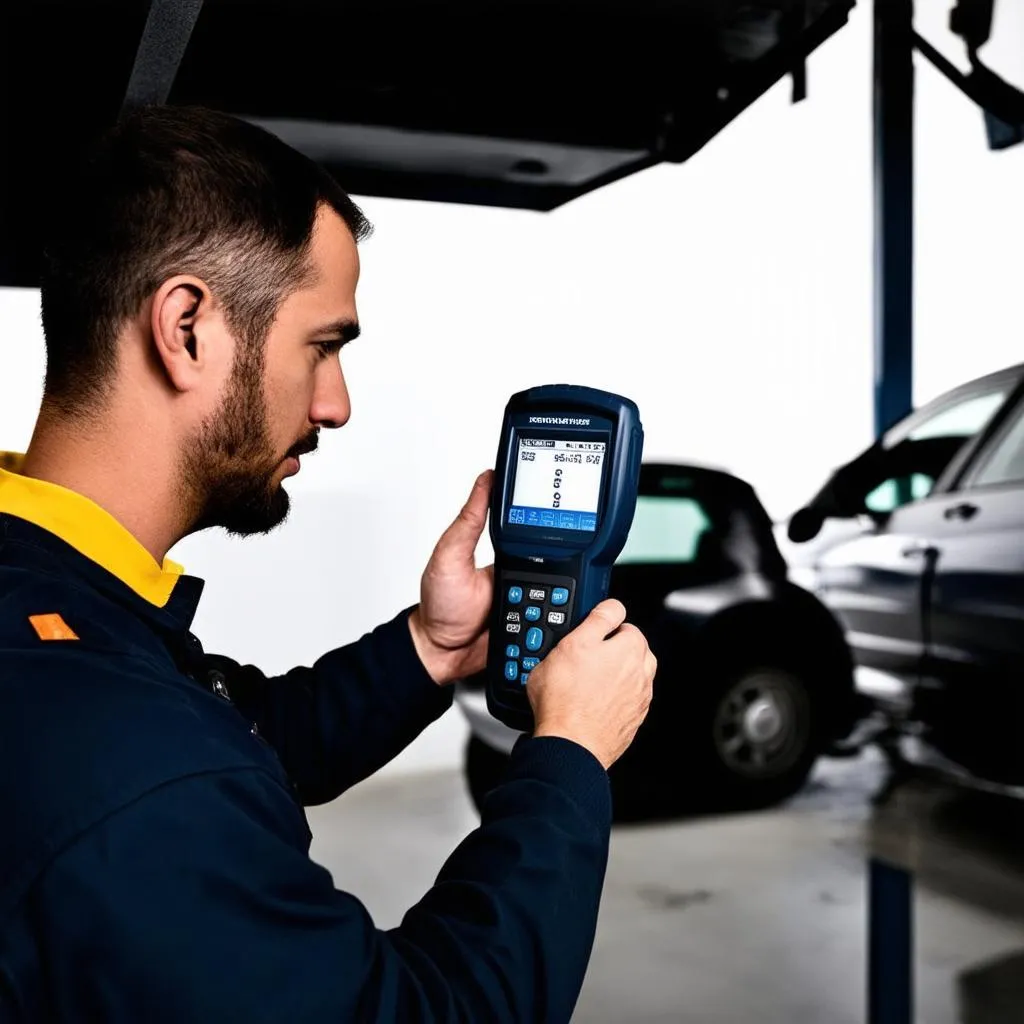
(172, 190)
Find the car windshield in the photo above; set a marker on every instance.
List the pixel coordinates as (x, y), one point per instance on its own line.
(913, 459)
(961, 419)
(666, 529)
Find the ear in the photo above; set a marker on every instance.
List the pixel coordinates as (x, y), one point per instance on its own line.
(180, 318)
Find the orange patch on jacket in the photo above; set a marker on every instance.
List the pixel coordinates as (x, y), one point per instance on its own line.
(52, 627)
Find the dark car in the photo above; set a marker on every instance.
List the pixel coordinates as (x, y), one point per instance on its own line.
(754, 678)
(924, 568)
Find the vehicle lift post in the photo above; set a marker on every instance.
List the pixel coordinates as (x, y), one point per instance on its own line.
(890, 968)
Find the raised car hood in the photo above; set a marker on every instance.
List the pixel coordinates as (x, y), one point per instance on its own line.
(517, 104)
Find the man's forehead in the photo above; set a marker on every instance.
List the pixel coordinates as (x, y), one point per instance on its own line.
(330, 230)
(334, 253)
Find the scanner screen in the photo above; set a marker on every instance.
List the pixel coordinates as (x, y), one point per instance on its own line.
(557, 483)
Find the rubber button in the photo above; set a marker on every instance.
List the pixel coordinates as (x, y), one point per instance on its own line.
(534, 639)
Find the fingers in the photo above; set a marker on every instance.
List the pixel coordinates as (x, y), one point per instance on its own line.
(461, 538)
(629, 638)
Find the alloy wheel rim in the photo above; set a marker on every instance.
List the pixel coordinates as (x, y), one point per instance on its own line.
(761, 724)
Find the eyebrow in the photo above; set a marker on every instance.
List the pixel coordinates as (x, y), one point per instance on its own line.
(347, 329)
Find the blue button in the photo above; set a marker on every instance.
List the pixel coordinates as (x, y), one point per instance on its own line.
(560, 596)
(532, 613)
(511, 651)
(515, 595)
(529, 664)
(524, 678)
(511, 671)
(534, 639)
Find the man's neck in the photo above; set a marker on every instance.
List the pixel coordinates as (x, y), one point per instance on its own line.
(120, 467)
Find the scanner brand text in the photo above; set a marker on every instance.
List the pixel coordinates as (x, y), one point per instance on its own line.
(562, 421)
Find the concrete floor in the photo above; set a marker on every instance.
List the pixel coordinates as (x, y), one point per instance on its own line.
(756, 917)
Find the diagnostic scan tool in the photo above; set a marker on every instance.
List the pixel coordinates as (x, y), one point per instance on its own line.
(564, 494)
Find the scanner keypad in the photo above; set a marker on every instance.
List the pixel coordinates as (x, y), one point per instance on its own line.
(535, 617)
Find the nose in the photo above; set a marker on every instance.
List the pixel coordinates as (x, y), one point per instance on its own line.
(331, 406)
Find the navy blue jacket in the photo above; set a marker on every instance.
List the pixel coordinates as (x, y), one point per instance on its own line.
(154, 860)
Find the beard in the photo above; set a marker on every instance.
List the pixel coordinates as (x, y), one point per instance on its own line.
(231, 468)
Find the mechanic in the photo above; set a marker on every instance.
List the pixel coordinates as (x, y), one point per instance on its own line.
(197, 286)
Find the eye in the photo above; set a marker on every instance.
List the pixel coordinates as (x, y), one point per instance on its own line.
(326, 349)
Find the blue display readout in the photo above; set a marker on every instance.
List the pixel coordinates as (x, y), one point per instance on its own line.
(558, 519)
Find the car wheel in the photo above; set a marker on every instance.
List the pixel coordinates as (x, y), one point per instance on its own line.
(742, 739)
(762, 736)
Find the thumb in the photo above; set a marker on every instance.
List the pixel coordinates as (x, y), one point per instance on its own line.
(461, 538)
(604, 618)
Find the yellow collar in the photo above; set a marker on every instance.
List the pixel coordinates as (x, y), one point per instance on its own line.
(89, 529)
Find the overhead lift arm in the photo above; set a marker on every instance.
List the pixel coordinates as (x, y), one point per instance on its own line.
(165, 37)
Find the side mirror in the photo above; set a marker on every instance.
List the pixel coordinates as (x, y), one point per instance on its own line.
(805, 525)
(874, 517)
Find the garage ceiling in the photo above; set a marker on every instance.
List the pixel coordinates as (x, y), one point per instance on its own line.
(516, 103)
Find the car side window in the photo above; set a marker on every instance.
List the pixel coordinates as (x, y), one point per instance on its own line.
(923, 455)
(897, 491)
(1004, 461)
(666, 529)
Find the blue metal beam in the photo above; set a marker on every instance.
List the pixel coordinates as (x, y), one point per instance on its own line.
(890, 888)
(894, 210)
(890, 944)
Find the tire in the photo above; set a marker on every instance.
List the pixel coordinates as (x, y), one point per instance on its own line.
(762, 733)
(700, 754)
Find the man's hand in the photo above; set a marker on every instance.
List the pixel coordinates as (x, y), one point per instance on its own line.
(449, 628)
(595, 685)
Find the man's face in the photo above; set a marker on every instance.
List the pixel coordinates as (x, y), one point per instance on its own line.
(281, 394)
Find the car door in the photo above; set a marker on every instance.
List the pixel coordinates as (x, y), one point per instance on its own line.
(874, 582)
(672, 545)
(975, 604)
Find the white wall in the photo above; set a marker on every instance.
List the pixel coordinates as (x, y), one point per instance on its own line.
(970, 226)
(731, 297)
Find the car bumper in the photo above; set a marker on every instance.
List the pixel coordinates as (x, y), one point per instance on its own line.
(884, 690)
